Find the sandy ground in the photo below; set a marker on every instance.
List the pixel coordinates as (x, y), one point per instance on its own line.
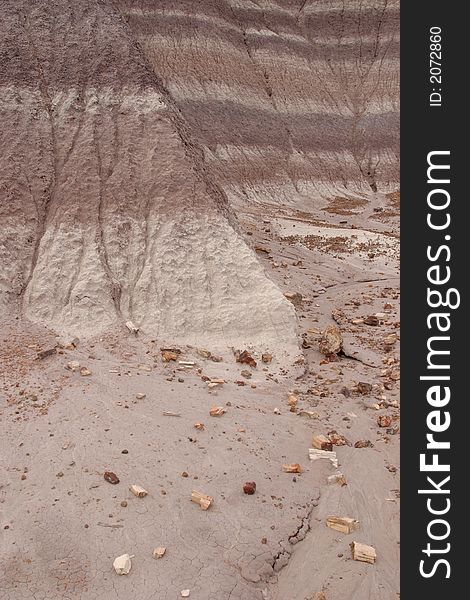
(184, 165)
(62, 524)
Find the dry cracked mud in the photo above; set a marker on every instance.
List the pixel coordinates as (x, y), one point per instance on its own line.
(183, 165)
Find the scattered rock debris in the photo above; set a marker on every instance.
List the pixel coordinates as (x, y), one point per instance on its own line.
(292, 468)
(342, 524)
(131, 327)
(384, 421)
(73, 365)
(310, 414)
(391, 339)
(337, 439)
(338, 315)
(315, 454)
(245, 358)
(201, 499)
(363, 444)
(322, 442)
(294, 297)
(138, 491)
(170, 354)
(187, 364)
(122, 564)
(364, 388)
(363, 552)
(215, 382)
(72, 344)
(337, 478)
(111, 477)
(159, 552)
(249, 488)
(45, 353)
(331, 341)
(292, 400)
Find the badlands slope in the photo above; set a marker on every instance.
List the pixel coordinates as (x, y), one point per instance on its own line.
(108, 211)
(183, 164)
(289, 99)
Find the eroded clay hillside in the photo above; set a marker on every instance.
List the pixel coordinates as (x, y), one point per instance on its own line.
(108, 210)
(291, 100)
(126, 125)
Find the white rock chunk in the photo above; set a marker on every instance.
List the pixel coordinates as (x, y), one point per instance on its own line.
(122, 564)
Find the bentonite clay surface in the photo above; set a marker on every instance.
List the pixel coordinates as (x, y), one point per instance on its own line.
(183, 165)
(108, 211)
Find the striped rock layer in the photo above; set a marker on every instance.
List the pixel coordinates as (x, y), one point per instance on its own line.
(109, 208)
(291, 100)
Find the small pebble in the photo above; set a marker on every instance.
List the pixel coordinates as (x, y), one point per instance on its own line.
(111, 477)
(249, 488)
(159, 552)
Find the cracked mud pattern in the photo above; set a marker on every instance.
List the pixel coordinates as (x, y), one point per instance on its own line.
(184, 165)
(61, 534)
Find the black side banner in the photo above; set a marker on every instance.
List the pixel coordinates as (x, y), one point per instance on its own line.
(434, 267)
